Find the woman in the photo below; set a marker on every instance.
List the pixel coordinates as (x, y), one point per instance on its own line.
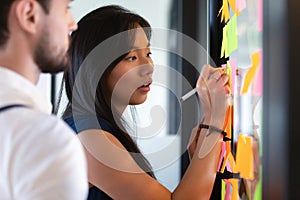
(111, 69)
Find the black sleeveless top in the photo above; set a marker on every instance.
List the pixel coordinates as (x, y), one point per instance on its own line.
(84, 123)
(89, 122)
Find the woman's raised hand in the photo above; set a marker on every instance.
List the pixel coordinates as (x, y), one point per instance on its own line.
(213, 91)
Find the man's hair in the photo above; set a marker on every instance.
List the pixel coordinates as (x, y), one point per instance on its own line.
(4, 11)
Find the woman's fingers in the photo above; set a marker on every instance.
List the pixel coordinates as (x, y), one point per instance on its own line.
(224, 79)
(212, 87)
(206, 71)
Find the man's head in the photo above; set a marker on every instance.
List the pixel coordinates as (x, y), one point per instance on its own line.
(4, 11)
(44, 25)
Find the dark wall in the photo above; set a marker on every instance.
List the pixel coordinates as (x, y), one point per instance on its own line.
(281, 42)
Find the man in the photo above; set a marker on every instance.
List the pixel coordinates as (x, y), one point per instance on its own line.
(40, 157)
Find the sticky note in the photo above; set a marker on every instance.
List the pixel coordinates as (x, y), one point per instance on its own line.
(224, 11)
(235, 188)
(230, 37)
(244, 156)
(240, 5)
(259, 15)
(251, 72)
(258, 78)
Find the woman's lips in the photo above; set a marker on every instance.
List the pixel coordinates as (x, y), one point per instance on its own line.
(145, 87)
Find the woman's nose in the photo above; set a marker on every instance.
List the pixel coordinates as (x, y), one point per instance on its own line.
(146, 69)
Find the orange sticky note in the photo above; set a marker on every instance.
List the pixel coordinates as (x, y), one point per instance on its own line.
(232, 4)
(251, 72)
(235, 188)
(244, 156)
(229, 121)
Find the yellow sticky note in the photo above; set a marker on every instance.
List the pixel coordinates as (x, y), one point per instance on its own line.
(244, 157)
(224, 11)
(224, 46)
(229, 38)
(223, 189)
(228, 70)
(232, 37)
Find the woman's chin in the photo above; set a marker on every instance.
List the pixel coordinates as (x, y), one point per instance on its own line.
(138, 101)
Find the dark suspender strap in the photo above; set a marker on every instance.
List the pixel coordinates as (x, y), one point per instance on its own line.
(11, 106)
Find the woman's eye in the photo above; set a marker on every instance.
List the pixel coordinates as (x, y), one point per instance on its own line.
(131, 58)
(149, 54)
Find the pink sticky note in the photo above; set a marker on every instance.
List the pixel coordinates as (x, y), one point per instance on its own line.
(223, 153)
(233, 72)
(259, 15)
(258, 79)
(240, 5)
(228, 185)
(228, 167)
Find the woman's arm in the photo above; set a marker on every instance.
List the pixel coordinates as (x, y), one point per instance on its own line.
(198, 180)
(112, 169)
(205, 145)
(122, 178)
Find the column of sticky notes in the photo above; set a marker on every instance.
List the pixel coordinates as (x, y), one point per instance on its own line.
(243, 162)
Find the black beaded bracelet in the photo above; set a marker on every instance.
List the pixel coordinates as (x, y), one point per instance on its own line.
(212, 128)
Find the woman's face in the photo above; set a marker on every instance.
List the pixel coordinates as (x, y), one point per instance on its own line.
(131, 78)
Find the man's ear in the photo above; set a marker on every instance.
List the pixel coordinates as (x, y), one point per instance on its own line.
(28, 14)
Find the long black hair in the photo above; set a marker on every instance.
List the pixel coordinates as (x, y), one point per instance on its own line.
(96, 29)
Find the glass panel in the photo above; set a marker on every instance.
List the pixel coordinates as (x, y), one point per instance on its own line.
(242, 51)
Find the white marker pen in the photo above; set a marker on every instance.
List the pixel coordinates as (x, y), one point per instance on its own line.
(193, 91)
(188, 95)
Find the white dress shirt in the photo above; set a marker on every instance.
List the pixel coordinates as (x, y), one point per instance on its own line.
(40, 156)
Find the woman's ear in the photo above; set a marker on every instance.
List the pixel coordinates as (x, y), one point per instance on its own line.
(28, 15)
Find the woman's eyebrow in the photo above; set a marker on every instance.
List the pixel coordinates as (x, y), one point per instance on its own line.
(136, 47)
